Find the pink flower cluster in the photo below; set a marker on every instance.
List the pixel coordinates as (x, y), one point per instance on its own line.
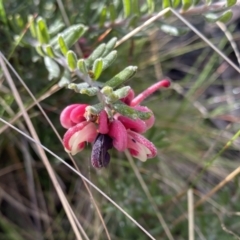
(119, 131)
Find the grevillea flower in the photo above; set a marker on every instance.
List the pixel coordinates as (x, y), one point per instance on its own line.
(119, 131)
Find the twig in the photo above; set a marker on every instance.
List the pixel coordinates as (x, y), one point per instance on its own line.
(190, 214)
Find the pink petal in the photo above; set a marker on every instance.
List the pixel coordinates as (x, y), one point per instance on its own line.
(77, 114)
(136, 125)
(103, 122)
(140, 147)
(149, 122)
(75, 137)
(118, 133)
(165, 83)
(129, 97)
(65, 120)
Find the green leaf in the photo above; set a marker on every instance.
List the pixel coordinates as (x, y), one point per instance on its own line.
(127, 111)
(103, 16)
(195, 2)
(42, 31)
(166, 4)
(71, 60)
(127, 8)
(112, 12)
(121, 77)
(65, 79)
(62, 45)
(122, 92)
(55, 27)
(32, 27)
(226, 16)
(231, 3)
(49, 51)
(109, 59)
(52, 67)
(173, 31)
(94, 109)
(97, 53)
(110, 96)
(19, 21)
(151, 6)
(70, 35)
(186, 4)
(135, 7)
(39, 50)
(3, 16)
(81, 65)
(78, 87)
(109, 46)
(175, 3)
(97, 68)
(91, 91)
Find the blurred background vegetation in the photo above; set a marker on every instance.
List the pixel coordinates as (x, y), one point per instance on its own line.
(195, 119)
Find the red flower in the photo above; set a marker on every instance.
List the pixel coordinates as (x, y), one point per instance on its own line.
(119, 132)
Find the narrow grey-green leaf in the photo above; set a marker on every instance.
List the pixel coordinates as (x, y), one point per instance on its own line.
(151, 6)
(121, 77)
(97, 68)
(126, 7)
(173, 31)
(81, 65)
(231, 3)
(135, 7)
(166, 4)
(175, 3)
(62, 45)
(109, 59)
(110, 96)
(78, 87)
(97, 53)
(226, 16)
(3, 15)
(56, 27)
(65, 79)
(42, 31)
(70, 35)
(91, 91)
(52, 67)
(19, 21)
(112, 12)
(49, 51)
(109, 46)
(32, 26)
(122, 92)
(39, 50)
(94, 109)
(186, 4)
(125, 110)
(103, 16)
(71, 60)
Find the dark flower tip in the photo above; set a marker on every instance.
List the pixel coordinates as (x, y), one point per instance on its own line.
(100, 156)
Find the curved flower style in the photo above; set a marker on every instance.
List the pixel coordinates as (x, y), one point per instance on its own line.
(119, 131)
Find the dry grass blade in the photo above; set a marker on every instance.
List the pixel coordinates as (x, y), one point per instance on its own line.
(36, 102)
(146, 191)
(83, 177)
(40, 150)
(190, 214)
